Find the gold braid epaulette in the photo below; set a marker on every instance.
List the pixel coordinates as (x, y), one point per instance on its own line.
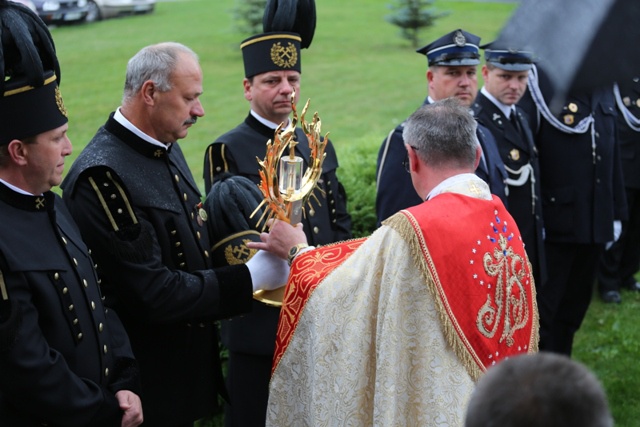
(114, 200)
(3, 288)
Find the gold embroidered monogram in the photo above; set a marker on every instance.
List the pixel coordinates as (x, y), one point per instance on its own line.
(510, 309)
(284, 57)
(239, 254)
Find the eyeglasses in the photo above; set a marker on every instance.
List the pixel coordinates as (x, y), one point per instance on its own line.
(405, 162)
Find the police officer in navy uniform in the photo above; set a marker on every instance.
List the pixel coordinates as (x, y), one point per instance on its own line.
(505, 81)
(582, 200)
(137, 204)
(452, 60)
(621, 261)
(270, 80)
(65, 359)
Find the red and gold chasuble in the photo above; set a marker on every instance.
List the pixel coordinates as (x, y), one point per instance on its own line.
(472, 257)
(307, 272)
(481, 276)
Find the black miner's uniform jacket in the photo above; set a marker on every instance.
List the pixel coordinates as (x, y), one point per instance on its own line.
(63, 355)
(327, 221)
(236, 152)
(137, 206)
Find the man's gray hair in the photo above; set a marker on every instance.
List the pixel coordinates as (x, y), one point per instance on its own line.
(156, 63)
(443, 134)
(538, 390)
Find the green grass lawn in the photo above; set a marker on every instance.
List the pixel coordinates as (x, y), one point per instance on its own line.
(361, 77)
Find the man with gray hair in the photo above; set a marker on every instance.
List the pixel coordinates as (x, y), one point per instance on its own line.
(395, 329)
(539, 390)
(139, 209)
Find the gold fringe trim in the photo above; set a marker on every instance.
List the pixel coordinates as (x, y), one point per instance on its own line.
(406, 225)
(535, 318)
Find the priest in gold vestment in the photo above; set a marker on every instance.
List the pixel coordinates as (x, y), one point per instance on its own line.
(395, 329)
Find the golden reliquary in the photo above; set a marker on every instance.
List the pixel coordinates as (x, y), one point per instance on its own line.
(287, 188)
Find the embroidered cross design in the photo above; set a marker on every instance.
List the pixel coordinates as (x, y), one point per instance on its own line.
(474, 189)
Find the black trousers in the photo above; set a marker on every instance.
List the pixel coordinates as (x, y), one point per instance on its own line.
(621, 262)
(248, 387)
(565, 297)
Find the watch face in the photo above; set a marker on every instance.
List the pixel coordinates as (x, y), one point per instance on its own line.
(294, 251)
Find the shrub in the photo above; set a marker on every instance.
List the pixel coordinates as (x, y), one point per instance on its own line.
(412, 16)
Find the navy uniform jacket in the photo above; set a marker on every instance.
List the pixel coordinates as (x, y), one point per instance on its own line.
(580, 176)
(327, 222)
(137, 206)
(517, 150)
(394, 187)
(63, 355)
(629, 138)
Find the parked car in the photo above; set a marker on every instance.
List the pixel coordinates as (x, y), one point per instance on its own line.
(61, 11)
(27, 3)
(103, 9)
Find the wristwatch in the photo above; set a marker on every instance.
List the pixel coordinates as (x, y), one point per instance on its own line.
(295, 250)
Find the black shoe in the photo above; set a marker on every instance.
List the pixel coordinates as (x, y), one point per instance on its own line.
(635, 287)
(611, 297)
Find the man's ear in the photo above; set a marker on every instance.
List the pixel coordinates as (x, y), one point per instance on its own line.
(148, 90)
(414, 163)
(18, 151)
(478, 156)
(429, 75)
(485, 72)
(247, 89)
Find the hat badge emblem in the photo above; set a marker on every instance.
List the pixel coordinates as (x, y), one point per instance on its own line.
(459, 39)
(284, 57)
(239, 254)
(60, 103)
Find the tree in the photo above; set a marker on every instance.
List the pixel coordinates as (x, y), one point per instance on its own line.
(248, 15)
(412, 16)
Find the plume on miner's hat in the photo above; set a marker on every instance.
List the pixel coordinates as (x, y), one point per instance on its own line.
(289, 26)
(30, 101)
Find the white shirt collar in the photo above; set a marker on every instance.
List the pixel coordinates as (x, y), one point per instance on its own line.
(266, 122)
(16, 189)
(506, 109)
(118, 117)
(461, 184)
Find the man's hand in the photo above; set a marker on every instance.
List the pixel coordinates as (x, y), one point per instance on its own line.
(281, 238)
(132, 407)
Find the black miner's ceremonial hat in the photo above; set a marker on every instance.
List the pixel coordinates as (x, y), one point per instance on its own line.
(288, 27)
(271, 52)
(30, 99)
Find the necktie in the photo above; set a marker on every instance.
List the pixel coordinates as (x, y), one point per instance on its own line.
(515, 121)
